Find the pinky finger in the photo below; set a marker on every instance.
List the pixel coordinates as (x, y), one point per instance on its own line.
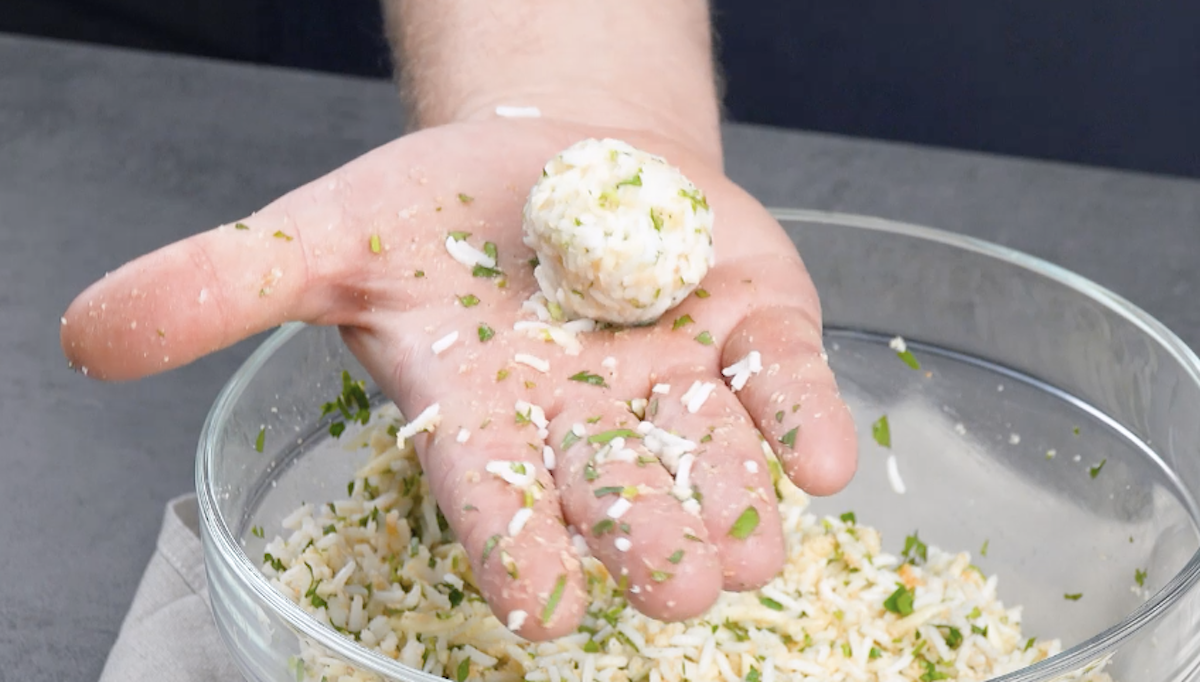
(794, 399)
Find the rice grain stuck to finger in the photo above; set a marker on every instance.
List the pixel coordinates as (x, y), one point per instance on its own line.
(621, 235)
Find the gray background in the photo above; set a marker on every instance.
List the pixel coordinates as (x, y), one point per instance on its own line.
(106, 154)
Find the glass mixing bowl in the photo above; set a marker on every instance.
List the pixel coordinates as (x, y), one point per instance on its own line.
(1050, 419)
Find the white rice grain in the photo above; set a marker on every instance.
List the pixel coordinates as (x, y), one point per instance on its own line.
(618, 508)
(893, 472)
(468, 255)
(444, 343)
(694, 398)
(516, 619)
(518, 521)
(533, 361)
(506, 111)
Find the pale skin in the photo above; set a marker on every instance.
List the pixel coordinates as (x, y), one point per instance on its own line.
(640, 72)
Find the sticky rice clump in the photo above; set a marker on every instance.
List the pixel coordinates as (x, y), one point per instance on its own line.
(621, 236)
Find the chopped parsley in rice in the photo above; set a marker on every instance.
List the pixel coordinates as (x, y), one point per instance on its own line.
(382, 568)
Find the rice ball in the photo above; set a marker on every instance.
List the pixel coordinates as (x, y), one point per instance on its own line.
(621, 236)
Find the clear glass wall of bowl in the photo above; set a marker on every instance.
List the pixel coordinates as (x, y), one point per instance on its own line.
(1048, 419)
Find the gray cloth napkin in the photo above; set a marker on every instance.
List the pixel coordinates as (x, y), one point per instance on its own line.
(169, 634)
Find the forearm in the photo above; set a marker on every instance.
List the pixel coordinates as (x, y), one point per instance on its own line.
(616, 63)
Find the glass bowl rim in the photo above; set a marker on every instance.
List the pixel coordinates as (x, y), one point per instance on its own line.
(251, 579)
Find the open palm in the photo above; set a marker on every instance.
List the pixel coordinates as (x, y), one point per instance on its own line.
(364, 248)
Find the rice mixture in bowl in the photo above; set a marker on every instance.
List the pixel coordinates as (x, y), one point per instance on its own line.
(380, 566)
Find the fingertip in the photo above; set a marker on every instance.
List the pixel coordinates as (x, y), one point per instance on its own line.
(755, 561)
(670, 591)
(826, 456)
(533, 583)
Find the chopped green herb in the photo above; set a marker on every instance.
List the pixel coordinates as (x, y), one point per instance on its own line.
(931, 673)
(490, 249)
(789, 438)
(900, 602)
(456, 597)
(241, 226)
(419, 274)
(909, 359)
(603, 526)
(1095, 471)
(256, 531)
(975, 613)
(656, 220)
(983, 550)
(1139, 577)
(702, 293)
(915, 549)
(280, 234)
(770, 603)
(593, 420)
(468, 300)
(849, 517)
(693, 538)
(1073, 597)
(464, 670)
(489, 546)
(661, 576)
(569, 440)
(681, 321)
(753, 675)
(556, 311)
(588, 378)
(625, 528)
(609, 490)
(606, 436)
(846, 650)
(635, 181)
(882, 432)
(261, 440)
(1076, 430)
(706, 438)
(465, 198)
(376, 244)
(1029, 643)
(501, 375)
(739, 632)
(484, 271)
(589, 472)
(485, 333)
(953, 636)
(555, 597)
(459, 235)
(745, 524)
(779, 417)
(676, 556)
(274, 563)
(590, 647)
(316, 600)
(696, 197)
(705, 338)
(982, 631)
(336, 429)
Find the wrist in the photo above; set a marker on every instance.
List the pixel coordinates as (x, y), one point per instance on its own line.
(616, 64)
(693, 125)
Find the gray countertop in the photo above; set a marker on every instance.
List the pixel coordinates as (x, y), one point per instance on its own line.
(106, 154)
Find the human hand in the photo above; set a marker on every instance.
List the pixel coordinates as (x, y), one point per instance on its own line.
(310, 256)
